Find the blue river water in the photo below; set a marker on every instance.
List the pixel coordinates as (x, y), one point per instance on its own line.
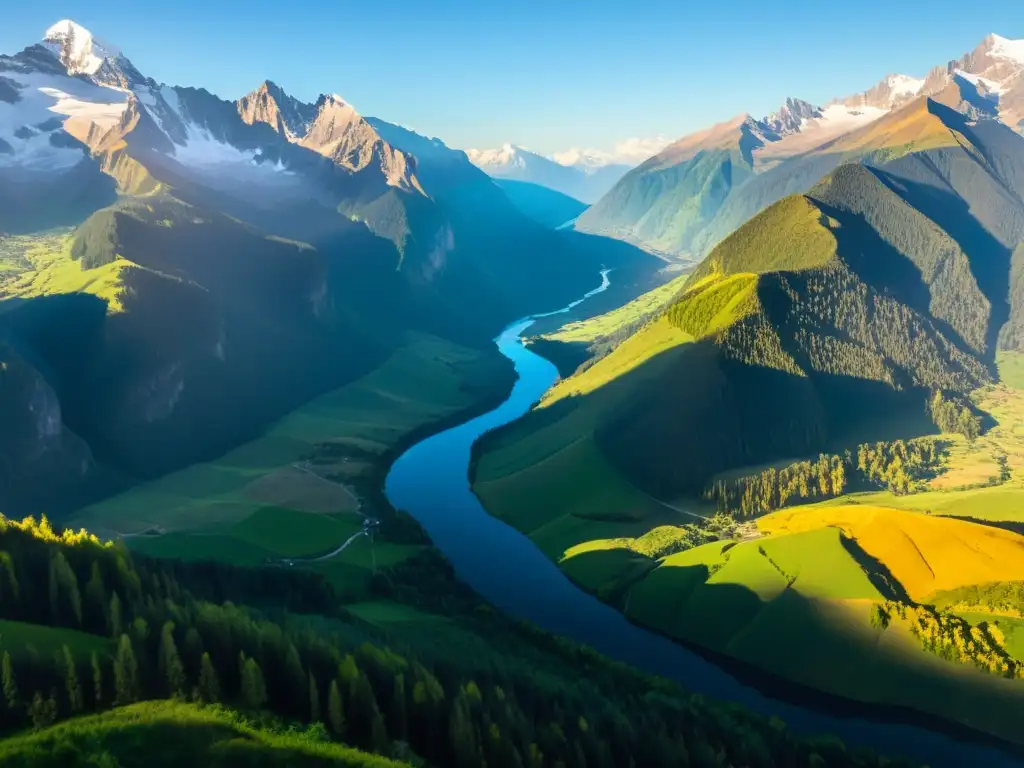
(430, 481)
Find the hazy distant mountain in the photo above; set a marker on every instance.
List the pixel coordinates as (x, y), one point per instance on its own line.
(585, 180)
(699, 189)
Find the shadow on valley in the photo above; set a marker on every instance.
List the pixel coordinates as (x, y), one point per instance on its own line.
(877, 572)
(691, 413)
(788, 643)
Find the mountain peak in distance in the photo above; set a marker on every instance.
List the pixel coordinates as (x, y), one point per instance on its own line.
(77, 49)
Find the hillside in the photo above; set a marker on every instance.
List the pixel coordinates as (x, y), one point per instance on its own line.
(445, 682)
(824, 320)
(827, 321)
(174, 733)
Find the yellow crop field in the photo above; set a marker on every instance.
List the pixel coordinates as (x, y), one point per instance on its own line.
(924, 553)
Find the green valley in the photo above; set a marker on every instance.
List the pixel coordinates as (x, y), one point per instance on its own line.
(836, 356)
(325, 442)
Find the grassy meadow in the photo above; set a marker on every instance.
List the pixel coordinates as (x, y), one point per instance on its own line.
(41, 265)
(265, 500)
(595, 328)
(35, 640)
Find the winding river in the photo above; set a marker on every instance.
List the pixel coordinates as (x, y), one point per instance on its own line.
(430, 481)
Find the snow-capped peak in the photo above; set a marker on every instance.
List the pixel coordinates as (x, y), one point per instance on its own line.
(334, 100)
(1003, 48)
(504, 155)
(584, 159)
(903, 85)
(77, 49)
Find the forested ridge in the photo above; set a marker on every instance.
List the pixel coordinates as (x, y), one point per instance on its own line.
(843, 314)
(168, 635)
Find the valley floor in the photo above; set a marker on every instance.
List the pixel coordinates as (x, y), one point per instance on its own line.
(308, 484)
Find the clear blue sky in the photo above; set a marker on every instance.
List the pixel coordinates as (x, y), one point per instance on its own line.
(541, 73)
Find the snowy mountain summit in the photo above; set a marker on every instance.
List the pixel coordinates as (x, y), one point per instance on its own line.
(83, 54)
(77, 49)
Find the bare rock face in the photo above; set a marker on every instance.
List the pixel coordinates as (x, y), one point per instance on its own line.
(790, 115)
(271, 105)
(334, 129)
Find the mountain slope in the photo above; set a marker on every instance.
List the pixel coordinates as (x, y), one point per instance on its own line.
(545, 206)
(238, 259)
(703, 187)
(826, 318)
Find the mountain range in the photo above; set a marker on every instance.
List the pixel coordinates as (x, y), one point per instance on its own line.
(690, 196)
(172, 258)
(586, 179)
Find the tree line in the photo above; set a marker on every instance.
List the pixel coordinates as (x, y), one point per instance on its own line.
(898, 465)
(954, 415)
(953, 638)
(295, 652)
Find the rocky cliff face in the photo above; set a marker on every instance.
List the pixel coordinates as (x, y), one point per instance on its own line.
(271, 105)
(791, 115)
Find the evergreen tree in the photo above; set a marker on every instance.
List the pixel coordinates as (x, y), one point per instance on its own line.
(314, 699)
(209, 687)
(335, 712)
(10, 684)
(96, 597)
(193, 652)
(115, 621)
(9, 589)
(36, 710)
(254, 689)
(64, 590)
(295, 677)
(76, 701)
(462, 735)
(399, 718)
(97, 681)
(170, 663)
(126, 673)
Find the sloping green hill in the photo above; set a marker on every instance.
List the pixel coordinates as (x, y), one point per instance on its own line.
(288, 674)
(171, 733)
(810, 325)
(824, 321)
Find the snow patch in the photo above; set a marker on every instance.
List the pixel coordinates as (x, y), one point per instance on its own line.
(206, 152)
(1011, 50)
(986, 86)
(904, 85)
(841, 118)
(105, 115)
(43, 96)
